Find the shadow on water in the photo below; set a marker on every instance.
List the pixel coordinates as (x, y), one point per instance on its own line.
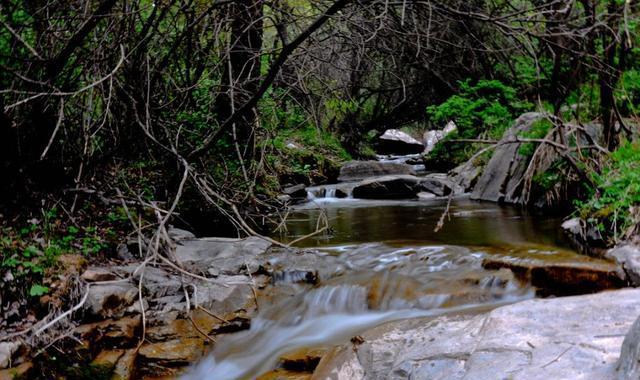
(469, 224)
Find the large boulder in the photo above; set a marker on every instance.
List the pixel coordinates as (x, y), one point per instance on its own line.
(502, 178)
(628, 259)
(359, 170)
(561, 338)
(628, 366)
(394, 141)
(388, 187)
(432, 137)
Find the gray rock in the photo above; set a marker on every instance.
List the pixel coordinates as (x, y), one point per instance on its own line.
(297, 191)
(180, 234)
(465, 175)
(561, 338)
(388, 187)
(573, 226)
(628, 259)
(229, 256)
(359, 170)
(628, 366)
(7, 349)
(110, 300)
(502, 178)
(394, 141)
(433, 137)
(440, 185)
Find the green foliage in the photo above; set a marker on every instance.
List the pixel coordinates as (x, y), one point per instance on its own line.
(628, 93)
(617, 190)
(28, 252)
(538, 130)
(485, 109)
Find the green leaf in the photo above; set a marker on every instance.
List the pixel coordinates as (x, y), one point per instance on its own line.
(38, 290)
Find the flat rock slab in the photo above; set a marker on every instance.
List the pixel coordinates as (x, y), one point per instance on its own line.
(226, 256)
(561, 338)
(359, 170)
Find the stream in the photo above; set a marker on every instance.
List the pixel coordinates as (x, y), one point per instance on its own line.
(381, 262)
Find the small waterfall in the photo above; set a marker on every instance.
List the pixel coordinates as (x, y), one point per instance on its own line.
(327, 315)
(324, 316)
(329, 193)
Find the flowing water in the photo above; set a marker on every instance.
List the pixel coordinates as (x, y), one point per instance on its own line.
(381, 261)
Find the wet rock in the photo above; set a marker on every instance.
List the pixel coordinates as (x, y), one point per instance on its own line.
(296, 192)
(388, 187)
(7, 349)
(431, 138)
(229, 256)
(110, 300)
(394, 141)
(359, 170)
(304, 360)
(96, 274)
(628, 366)
(628, 259)
(561, 338)
(284, 374)
(561, 278)
(177, 351)
(502, 177)
(423, 195)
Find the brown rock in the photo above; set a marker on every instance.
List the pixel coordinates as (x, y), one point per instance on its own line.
(180, 351)
(108, 358)
(561, 278)
(125, 366)
(98, 274)
(284, 374)
(120, 331)
(303, 360)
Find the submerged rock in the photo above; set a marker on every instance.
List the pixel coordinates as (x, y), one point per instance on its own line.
(561, 338)
(359, 170)
(394, 141)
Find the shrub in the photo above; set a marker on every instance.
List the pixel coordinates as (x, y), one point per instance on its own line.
(616, 192)
(485, 109)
